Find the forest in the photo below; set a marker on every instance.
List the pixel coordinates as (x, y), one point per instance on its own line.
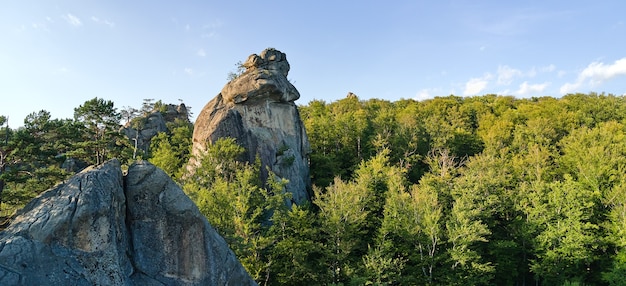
(483, 190)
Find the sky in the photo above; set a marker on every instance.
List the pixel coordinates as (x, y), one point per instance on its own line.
(55, 55)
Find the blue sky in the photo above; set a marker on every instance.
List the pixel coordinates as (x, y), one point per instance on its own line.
(55, 55)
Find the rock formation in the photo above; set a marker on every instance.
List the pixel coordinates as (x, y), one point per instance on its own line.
(101, 228)
(143, 128)
(257, 109)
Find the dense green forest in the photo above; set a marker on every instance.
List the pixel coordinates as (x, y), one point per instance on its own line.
(485, 190)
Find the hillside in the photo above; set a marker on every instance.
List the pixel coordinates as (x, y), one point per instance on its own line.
(468, 190)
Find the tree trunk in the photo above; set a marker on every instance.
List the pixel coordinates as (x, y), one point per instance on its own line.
(1, 189)
(2, 168)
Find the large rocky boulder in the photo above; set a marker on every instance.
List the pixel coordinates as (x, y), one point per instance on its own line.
(103, 228)
(257, 109)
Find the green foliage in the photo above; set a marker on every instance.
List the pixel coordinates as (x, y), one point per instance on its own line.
(595, 157)
(164, 155)
(160, 107)
(466, 232)
(229, 193)
(488, 190)
(147, 106)
(171, 151)
(492, 207)
(412, 223)
(100, 121)
(342, 213)
(617, 273)
(567, 237)
(221, 160)
(339, 136)
(380, 268)
(32, 156)
(128, 113)
(240, 69)
(297, 255)
(30, 184)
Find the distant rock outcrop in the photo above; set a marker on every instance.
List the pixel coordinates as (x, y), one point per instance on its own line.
(150, 124)
(257, 109)
(101, 228)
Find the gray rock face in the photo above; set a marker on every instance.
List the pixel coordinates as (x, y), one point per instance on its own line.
(265, 77)
(258, 110)
(100, 228)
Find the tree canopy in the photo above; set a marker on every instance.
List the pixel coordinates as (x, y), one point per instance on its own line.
(484, 190)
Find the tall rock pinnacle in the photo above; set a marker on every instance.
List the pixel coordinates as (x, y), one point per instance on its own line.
(257, 109)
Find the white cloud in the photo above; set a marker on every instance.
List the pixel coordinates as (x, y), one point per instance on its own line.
(596, 73)
(548, 68)
(189, 71)
(187, 27)
(545, 69)
(506, 74)
(201, 53)
(211, 30)
(72, 20)
(526, 89)
(101, 21)
(43, 26)
(422, 94)
(208, 35)
(214, 25)
(475, 85)
(426, 93)
(569, 87)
